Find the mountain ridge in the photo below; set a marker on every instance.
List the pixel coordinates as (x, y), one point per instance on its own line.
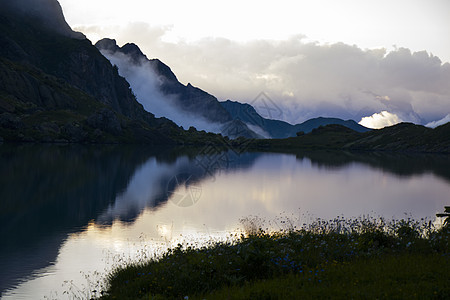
(196, 101)
(57, 87)
(402, 137)
(281, 129)
(190, 100)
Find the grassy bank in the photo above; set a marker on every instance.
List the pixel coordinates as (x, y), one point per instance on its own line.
(363, 258)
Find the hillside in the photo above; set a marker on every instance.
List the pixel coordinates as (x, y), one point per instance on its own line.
(187, 100)
(56, 86)
(403, 137)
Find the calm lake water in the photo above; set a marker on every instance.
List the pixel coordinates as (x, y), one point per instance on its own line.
(68, 212)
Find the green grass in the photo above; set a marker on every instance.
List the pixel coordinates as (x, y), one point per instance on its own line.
(382, 277)
(363, 258)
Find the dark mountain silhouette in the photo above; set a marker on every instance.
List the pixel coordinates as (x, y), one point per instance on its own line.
(56, 86)
(281, 129)
(195, 101)
(48, 13)
(191, 100)
(403, 137)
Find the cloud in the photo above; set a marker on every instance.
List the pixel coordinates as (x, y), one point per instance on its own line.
(146, 84)
(440, 122)
(305, 79)
(380, 120)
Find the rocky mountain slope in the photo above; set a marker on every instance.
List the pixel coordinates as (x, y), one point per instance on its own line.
(56, 86)
(187, 99)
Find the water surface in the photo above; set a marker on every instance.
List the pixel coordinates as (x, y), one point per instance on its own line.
(69, 211)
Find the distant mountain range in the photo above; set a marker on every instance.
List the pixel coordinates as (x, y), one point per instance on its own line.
(281, 129)
(236, 119)
(194, 102)
(55, 86)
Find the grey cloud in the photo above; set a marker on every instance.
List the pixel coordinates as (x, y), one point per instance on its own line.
(306, 79)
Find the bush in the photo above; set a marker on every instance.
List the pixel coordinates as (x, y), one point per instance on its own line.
(259, 255)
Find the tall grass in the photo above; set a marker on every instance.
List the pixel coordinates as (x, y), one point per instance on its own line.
(311, 257)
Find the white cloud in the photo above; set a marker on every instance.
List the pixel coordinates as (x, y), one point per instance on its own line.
(305, 79)
(369, 24)
(380, 120)
(440, 122)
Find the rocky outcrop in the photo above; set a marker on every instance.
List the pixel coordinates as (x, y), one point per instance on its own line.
(56, 86)
(106, 120)
(188, 98)
(47, 13)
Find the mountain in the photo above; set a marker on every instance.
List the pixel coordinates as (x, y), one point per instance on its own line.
(403, 137)
(312, 124)
(281, 129)
(56, 86)
(190, 101)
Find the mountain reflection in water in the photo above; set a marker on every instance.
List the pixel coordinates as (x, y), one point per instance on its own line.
(48, 193)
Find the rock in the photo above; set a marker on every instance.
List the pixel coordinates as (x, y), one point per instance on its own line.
(107, 45)
(10, 121)
(97, 135)
(6, 106)
(48, 12)
(188, 98)
(105, 120)
(74, 132)
(49, 128)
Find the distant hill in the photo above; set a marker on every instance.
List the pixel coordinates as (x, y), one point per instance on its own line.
(403, 137)
(281, 129)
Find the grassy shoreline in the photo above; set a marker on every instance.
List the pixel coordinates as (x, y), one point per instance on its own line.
(362, 258)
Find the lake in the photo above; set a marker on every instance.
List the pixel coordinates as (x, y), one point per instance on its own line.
(70, 213)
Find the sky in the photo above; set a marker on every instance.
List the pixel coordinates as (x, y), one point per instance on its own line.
(378, 62)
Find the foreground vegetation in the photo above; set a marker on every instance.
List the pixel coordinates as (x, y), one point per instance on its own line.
(362, 258)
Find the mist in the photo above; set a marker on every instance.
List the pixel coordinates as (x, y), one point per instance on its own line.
(305, 79)
(440, 122)
(146, 85)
